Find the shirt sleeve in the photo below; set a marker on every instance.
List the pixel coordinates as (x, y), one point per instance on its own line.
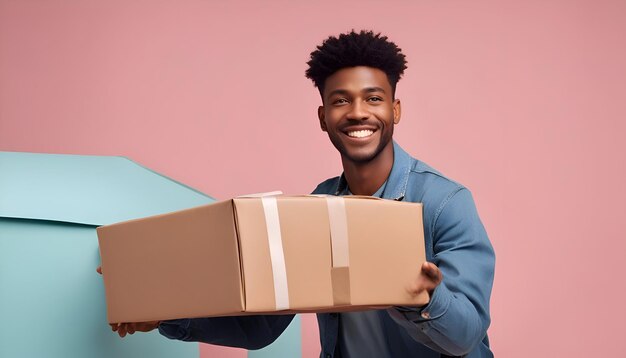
(457, 316)
(249, 332)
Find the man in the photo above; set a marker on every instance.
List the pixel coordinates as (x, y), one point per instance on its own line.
(356, 74)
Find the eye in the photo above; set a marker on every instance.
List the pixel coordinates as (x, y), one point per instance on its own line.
(374, 99)
(340, 101)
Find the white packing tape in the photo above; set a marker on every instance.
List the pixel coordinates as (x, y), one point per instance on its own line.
(338, 231)
(277, 255)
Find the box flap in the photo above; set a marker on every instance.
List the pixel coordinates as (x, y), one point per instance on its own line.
(92, 190)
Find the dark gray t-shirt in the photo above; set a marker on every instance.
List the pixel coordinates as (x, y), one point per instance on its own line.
(361, 334)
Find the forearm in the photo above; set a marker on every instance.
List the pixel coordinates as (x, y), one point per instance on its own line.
(249, 332)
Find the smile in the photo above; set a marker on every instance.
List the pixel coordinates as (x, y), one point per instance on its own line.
(360, 134)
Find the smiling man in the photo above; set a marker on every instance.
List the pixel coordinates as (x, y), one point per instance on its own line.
(359, 114)
(356, 74)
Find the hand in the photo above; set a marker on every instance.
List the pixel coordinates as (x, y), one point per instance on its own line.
(99, 270)
(129, 328)
(429, 278)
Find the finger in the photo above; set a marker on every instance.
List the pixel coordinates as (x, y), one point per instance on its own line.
(113, 327)
(431, 271)
(121, 330)
(131, 328)
(429, 277)
(99, 270)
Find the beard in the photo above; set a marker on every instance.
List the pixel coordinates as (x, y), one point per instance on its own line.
(362, 154)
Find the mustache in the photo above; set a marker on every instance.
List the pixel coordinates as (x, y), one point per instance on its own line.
(355, 124)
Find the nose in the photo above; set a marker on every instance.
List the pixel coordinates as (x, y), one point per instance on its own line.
(358, 111)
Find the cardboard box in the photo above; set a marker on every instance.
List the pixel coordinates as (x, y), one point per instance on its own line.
(273, 254)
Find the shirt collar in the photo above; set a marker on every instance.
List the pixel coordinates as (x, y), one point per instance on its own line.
(395, 187)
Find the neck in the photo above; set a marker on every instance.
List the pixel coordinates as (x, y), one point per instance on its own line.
(366, 178)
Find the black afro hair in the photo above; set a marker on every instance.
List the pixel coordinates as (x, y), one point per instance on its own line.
(364, 48)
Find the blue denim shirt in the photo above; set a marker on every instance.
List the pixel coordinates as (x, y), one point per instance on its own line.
(455, 321)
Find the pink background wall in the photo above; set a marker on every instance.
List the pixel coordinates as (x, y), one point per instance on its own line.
(523, 101)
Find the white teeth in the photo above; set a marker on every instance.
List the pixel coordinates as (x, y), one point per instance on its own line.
(361, 133)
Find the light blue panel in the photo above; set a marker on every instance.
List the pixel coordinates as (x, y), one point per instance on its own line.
(95, 190)
(288, 345)
(52, 300)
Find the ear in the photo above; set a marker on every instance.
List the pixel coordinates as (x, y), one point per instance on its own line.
(321, 117)
(397, 111)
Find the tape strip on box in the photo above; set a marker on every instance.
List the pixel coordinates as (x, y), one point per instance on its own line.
(340, 272)
(277, 255)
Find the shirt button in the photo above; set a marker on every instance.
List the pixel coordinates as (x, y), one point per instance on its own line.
(328, 355)
(425, 315)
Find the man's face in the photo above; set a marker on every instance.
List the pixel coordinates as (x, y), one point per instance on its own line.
(359, 112)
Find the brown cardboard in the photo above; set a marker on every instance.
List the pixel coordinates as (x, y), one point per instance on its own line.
(215, 260)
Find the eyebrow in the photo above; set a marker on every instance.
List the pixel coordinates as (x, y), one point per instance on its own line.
(365, 90)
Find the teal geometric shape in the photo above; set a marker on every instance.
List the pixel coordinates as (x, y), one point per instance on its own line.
(52, 301)
(289, 344)
(95, 190)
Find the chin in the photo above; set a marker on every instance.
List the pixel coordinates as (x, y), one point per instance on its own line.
(360, 156)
